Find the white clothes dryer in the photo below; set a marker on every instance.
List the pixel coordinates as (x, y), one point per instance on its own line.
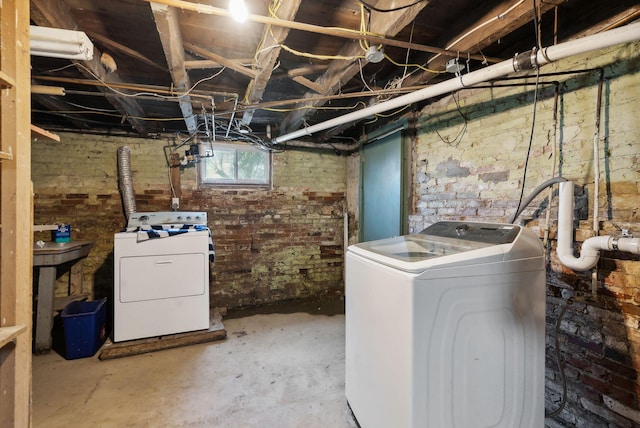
(161, 275)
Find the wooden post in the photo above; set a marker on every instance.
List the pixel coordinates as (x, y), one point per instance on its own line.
(174, 163)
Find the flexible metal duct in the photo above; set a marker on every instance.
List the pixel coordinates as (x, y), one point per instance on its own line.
(125, 183)
(524, 61)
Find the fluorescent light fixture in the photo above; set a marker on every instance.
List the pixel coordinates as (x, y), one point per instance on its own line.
(59, 43)
(238, 10)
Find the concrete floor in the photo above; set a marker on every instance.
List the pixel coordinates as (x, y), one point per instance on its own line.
(273, 370)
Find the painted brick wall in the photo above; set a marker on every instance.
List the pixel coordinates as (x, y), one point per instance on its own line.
(271, 245)
(473, 170)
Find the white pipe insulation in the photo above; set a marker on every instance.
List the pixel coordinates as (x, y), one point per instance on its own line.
(524, 61)
(590, 251)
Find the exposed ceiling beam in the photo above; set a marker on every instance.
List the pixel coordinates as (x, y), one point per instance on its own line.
(340, 72)
(198, 97)
(168, 27)
(494, 25)
(55, 104)
(615, 21)
(55, 13)
(308, 84)
(201, 64)
(329, 31)
(266, 58)
(204, 53)
(125, 50)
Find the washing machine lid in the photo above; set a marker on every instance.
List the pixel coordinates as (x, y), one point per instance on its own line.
(447, 243)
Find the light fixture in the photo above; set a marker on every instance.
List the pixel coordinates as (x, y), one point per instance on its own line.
(59, 43)
(454, 66)
(238, 10)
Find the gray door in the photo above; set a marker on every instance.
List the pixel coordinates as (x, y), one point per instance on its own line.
(381, 188)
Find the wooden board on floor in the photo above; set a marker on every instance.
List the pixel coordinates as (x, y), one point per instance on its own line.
(112, 350)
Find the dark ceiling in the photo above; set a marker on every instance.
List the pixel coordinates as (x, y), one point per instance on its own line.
(183, 65)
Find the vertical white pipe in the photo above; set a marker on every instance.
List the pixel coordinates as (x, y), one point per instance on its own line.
(589, 256)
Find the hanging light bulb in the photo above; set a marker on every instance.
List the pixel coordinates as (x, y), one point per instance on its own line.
(238, 10)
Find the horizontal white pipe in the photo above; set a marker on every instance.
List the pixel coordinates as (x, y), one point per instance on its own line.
(626, 34)
(590, 251)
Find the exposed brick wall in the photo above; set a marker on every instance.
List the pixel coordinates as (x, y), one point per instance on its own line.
(271, 245)
(479, 176)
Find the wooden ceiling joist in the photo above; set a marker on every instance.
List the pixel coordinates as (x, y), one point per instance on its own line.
(54, 13)
(495, 24)
(125, 50)
(266, 59)
(168, 26)
(202, 64)
(204, 53)
(340, 72)
(55, 104)
(371, 37)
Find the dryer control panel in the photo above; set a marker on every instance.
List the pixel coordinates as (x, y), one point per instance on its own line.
(138, 219)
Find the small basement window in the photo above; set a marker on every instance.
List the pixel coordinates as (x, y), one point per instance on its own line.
(236, 164)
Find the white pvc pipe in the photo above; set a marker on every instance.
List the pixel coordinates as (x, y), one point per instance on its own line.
(590, 251)
(626, 34)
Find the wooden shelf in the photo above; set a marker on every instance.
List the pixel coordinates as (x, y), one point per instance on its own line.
(6, 81)
(7, 334)
(37, 132)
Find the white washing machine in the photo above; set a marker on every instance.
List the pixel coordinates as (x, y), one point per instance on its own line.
(445, 328)
(161, 275)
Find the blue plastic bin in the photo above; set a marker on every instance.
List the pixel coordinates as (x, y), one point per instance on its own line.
(84, 326)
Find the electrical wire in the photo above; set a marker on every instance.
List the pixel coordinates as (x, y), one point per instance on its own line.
(134, 95)
(533, 118)
(284, 110)
(563, 380)
(273, 9)
(406, 6)
(458, 139)
(362, 76)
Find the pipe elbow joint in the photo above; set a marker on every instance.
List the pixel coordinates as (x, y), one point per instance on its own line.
(588, 258)
(589, 253)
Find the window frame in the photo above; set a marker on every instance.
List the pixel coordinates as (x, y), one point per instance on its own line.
(235, 182)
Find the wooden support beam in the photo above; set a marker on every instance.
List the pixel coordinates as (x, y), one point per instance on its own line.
(174, 165)
(57, 14)
(215, 332)
(204, 53)
(55, 104)
(329, 31)
(171, 37)
(37, 133)
(340, 72)
(308, 84)
(495, 24)
(266, 59)
(202, 97)
(125, 50)
(16, 214)
(207, 63)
